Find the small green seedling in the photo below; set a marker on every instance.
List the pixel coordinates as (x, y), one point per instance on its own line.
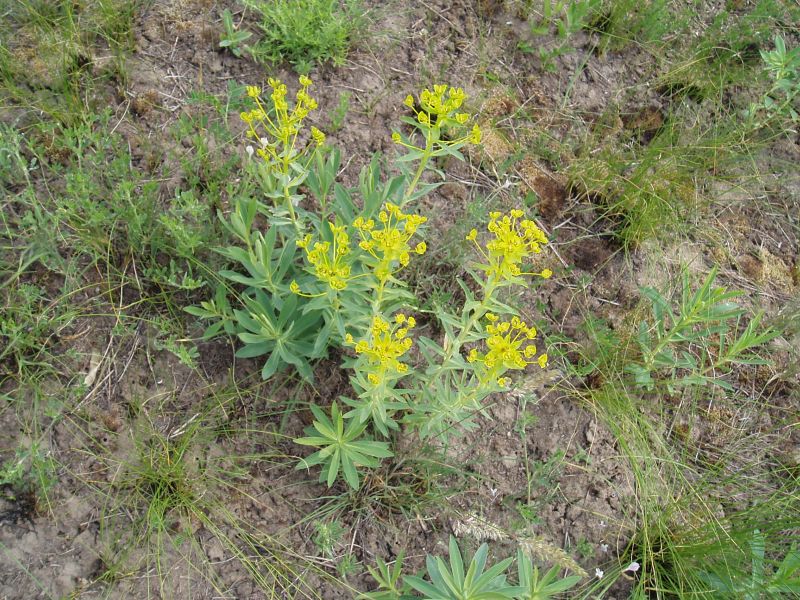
(233, 36)
(339, 447)
(456, 583)
(453, 582)
(779, 102)
(536, 588)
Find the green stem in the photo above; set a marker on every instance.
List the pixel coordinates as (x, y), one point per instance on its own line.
(477, 313)
(378, 394)
(290, 206)
(423, 163)
(672, 336)
(286, 159)
(378, 298)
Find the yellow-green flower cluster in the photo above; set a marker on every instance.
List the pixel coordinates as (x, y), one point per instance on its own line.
(441, 101)
(385, 345)
(389, 241)
(277, 134)
(438, 108)
(509, 347)
(514, 240)
(328, 259)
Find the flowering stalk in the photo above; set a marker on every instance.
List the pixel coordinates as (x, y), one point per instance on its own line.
(513, 241)
(379, 357)
(438, 111)
(277, 135)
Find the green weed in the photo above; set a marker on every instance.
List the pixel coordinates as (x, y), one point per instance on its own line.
(568, 17)
(697, 338)
(30, 473)
(232, 37)
(28, 326)
(455, 582)
(727, 52)
(548, 585)
(305, 32)
(471, 581)
(326, 536)
(687, 522)
(346, 295)
(542, 485)
(340, 447)
(784, 580)
(646, 192)
(93, 207)
(162, 489)
(407, 487)
(623, 22)
(208, 166)
(778, 103)
(48, 50)
(339, 114)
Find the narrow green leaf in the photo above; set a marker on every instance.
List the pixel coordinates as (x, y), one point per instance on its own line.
(331, 469)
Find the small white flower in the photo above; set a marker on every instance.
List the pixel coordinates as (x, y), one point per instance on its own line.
(264, 141)
(250, 150)
(604, 548)
(599, 573)
(633, 567)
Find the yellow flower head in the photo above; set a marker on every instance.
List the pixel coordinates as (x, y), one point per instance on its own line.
(476, 135)
(379, 325)
(508, 347)
(277, 129)
(440, 101)
(514, 240)
(317, 136)
(329, 259)
(385, 346)
(389, 243)
(439, 107)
